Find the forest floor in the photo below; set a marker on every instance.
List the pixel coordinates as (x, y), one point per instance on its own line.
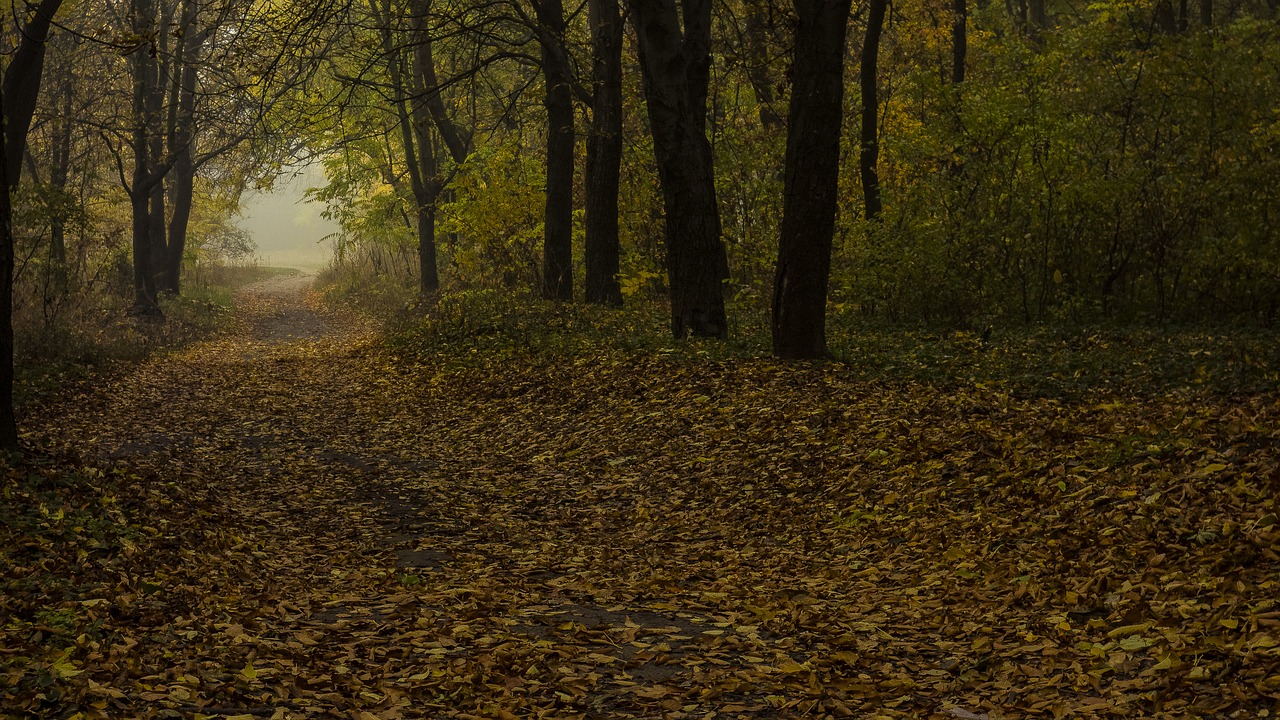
(292, 522)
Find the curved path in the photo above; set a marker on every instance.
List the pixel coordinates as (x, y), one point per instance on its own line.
(340, 534)
(357, 553)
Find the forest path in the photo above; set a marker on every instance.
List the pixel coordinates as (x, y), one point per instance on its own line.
(290, 318)
(341, 533)
(353, 543)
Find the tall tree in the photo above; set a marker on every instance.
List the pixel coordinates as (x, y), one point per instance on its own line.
(422, 120)
(557, 246)
(810, 185)
(182, 140)
(419, 156)
(869, 78)
(19, 93)
(675, 63)
(8, 421)
(22, 82)
(604, 153)
(759, 19)
(142, 22)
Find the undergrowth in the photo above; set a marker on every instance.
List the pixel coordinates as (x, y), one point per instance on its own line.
(61, 533)
(94, 331)
(1052, 360)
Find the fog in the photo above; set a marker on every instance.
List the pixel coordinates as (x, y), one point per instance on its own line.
(288, 230)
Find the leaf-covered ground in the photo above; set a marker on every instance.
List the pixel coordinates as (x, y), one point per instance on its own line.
(291, 522)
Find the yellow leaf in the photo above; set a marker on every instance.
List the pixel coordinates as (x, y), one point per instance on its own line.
(64, 668)
(791, 667)
(248, 673)
(1124, 630)
(1136, 642)
(1229, 623)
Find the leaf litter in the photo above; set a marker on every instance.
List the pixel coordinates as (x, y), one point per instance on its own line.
(299, 524)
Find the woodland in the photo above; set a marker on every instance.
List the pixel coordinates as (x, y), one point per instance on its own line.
(675, 359)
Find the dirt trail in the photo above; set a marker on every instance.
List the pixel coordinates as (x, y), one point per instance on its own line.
(292, 319)
(358, 562)
(342, 535)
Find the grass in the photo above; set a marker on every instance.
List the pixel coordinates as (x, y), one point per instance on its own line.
(456, 328)
(95, 332)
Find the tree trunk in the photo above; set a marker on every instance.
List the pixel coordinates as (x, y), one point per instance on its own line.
(811, 180)
(604, 154)
(1166, 17)
(675, 65)
(959, 40)
(140, 193)
(426, 112)
(557, 244)
(1206, 13)
(757, 56)
(8, 421)
(182, 144)
(429, 172)
(869, 156)
(411, 141)
(181, 196)
(1037, 18)
(159, 130)
(22, 85)
(59, 172)
(156, 225)
(455, 139)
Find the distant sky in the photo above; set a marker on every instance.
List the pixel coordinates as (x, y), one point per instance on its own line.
(287, 229)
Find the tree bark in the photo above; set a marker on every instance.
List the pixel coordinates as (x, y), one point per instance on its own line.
(59, 172)
(1166, 18)
(757, 21)
(604, 154)
(182, 138)
(425, 112)
(159, 130)
(810, 185)
(144, 75)
(675, 66)
(456, 140)
(22, 85)
(8, 421)
(412, 137)
(1037, 18)
(557, 243)
(181, 197)
(869, 156)
(959, 40)
(428, 168)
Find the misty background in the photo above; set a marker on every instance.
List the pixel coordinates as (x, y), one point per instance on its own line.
(288, 230)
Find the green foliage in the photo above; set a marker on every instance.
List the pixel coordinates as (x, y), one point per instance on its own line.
(1110, 173)
(370, 278)
(492, 326)
(97, 334)
(55, 524)
(492, 229)
(368, 209)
